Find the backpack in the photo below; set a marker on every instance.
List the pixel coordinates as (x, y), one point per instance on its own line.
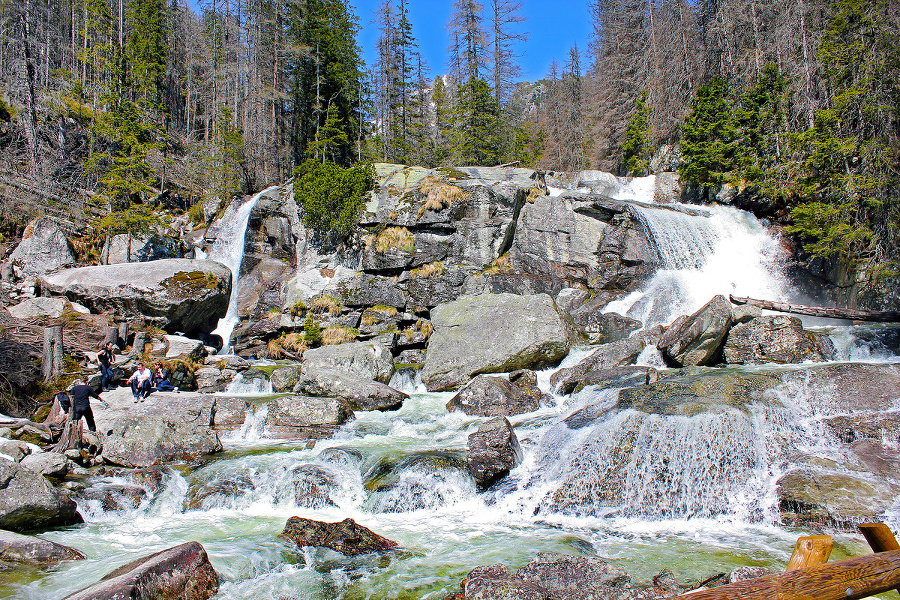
(64, 401)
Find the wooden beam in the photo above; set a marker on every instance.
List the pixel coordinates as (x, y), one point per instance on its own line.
(858, 577)
(810, 551)
(879, 536)
(888, 316)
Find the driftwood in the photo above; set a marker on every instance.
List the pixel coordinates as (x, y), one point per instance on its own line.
(887, 316)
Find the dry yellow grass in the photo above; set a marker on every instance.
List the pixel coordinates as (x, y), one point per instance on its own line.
(332, 336)
(431, 269)
(377, 314)
(328, 304)
(291, 342)
(533, 194)
(438, 194)
(500, 264)
(395, 237)
(425, 327)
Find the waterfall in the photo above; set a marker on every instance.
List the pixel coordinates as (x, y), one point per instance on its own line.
(229, 250)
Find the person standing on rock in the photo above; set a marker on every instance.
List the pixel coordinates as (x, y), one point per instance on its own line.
(81, 399)
(105, 361)
(140, 382)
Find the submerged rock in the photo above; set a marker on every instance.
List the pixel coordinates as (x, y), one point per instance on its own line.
(182, 572)
(493, 333)
(492, 452)
(346, 537)
(32, 550)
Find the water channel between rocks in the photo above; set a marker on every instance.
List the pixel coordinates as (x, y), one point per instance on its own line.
(236, 504)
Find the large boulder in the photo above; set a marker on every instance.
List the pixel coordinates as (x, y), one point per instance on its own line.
(306, 417)
(27, 549)
(174, 294)
(366, 360)
(696, 340)
(361, 394)
(43, 307)
(49, 464)
(28, 502)
(775, 339)
(182, 572)
(44, 248)
(158, 430)
(346, 537)
(493, 333)
(488, 396)
(492, 451)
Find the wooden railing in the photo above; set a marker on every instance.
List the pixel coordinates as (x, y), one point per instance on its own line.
(811, 578)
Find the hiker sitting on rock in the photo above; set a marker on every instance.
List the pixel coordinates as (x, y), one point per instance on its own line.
(140, 382)
(161, 379)
(81, 399)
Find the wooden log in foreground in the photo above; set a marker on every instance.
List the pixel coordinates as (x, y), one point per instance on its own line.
(885, 316)
(857, 577)
(879, 536)
(810, 551)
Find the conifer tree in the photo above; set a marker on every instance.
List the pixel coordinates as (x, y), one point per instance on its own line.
(636, 147)
(710, 139)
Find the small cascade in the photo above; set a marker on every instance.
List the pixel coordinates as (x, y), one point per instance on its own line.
(229, 250)
(682, 241)
(249, 387)
(407, 380)
(254, 427)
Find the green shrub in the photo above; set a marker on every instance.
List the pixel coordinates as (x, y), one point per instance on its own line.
(332, 197)
(312, 332)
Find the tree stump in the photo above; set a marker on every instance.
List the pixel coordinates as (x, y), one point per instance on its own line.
(123, 334)
(140, 340)
(52, 361)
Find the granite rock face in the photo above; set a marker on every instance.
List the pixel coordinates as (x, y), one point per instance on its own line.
(29, 503)
(346, 537)
(44, 248)
(492, 452)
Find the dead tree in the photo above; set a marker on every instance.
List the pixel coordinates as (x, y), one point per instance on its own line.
(52, 362)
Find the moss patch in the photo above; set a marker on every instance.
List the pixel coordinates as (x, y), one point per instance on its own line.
(186, 285)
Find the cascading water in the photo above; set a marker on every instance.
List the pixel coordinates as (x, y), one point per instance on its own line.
(228, 249)
(693, 493)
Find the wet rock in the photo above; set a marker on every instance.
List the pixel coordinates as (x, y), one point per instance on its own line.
(605, 328)
(607, 356)
(745, 573)
(573, 577)
(696, 340)
(115, 497)
(880, 426)
(488, 396)
(620, 377)
(775, 339)
(366, 360)
(43, 248)
(32, 550)
(691, 395)
(173, 294)
(346, 537)
(158, 431)
(493, 333)
(229, 413)
(28, 502)
(219, 492)
(388, 474)
(492, 452)
(306, 417)
(361, 394)
(850, 387)
(181, 572)
(829, 498)
(283, 379)
(495, 581)
(313, 485)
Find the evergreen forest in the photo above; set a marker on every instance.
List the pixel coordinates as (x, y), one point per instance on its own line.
(113, 108)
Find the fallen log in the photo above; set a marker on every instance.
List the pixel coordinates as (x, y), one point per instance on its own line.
(857, 577)
(885, 316)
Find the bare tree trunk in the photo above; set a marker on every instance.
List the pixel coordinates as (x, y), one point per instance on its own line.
(30, 101)
(52, 362)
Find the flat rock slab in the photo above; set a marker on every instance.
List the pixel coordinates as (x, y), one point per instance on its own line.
(28, 549)
(183, 572)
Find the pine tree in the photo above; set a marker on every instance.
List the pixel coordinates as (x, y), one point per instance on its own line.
(710, 141)
(636, 147)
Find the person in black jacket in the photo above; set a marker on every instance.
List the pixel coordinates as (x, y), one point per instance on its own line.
(81, 399)
(105, 360)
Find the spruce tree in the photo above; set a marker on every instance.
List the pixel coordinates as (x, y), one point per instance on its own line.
(710, 137)
(636, 147)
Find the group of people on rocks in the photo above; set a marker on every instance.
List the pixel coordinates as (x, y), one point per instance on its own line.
(142, 382)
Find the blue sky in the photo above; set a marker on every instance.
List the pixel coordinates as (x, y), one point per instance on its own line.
(552, 26)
